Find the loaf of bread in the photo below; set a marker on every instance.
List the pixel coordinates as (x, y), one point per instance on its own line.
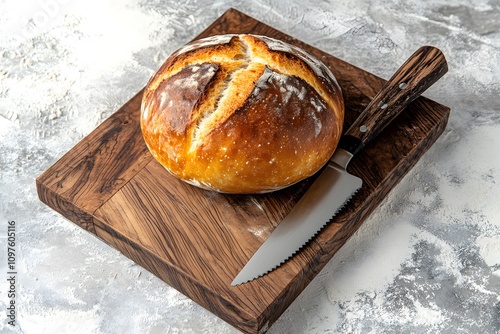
(242, 114)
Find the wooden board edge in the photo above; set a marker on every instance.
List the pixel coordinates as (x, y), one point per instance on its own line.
(180, 281)
(65, 199)
(64, 206)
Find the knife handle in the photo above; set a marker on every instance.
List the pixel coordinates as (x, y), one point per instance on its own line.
(418, 73)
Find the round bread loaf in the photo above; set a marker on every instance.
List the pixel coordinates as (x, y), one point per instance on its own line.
(242, 114)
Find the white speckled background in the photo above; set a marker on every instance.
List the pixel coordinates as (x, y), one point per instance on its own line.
(427, 261)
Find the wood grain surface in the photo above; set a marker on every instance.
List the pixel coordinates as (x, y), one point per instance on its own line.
(196, 240)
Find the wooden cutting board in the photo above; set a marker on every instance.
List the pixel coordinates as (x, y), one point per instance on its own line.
(196, 240)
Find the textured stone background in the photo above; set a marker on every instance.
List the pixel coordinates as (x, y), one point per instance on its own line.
(428, 259)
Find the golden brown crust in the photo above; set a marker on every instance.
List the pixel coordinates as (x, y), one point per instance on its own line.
(242, 114)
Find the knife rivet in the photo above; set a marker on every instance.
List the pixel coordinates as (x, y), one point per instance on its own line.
(382, 105)
(402, 85)
(363, 128)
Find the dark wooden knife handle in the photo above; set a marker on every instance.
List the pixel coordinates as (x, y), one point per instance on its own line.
(418, 73)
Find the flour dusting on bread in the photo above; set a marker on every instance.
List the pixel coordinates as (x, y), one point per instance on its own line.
(242, 114)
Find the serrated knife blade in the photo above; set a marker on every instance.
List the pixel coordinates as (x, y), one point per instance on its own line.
(309, 215)
(335, 186)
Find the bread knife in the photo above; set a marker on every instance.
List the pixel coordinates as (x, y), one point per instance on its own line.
(333, 188)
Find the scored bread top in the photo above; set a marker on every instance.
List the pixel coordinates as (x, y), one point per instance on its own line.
(242, 114)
